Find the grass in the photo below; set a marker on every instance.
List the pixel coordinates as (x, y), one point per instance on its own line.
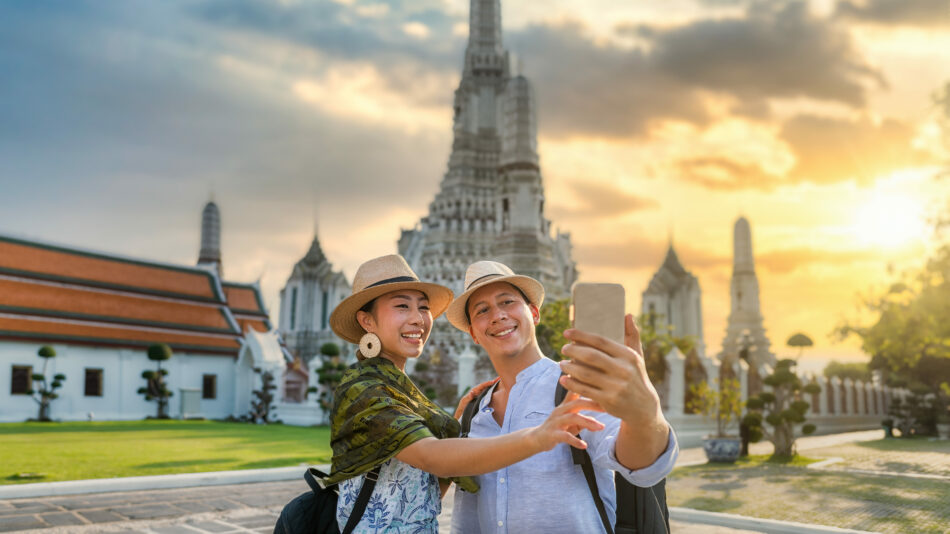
(46, 452)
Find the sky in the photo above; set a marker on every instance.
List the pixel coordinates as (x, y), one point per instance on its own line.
(658, 122)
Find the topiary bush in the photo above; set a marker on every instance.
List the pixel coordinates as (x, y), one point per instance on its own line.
(44, 389)
(775, 414)
(155, 387)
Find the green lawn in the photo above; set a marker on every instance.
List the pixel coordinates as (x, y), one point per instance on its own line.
(81, 450)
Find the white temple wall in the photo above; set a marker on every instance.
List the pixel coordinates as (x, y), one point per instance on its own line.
(121, 378)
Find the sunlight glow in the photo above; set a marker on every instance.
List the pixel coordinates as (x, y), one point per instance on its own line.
(887, 218)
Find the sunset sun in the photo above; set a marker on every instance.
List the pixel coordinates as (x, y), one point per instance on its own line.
(887, 219)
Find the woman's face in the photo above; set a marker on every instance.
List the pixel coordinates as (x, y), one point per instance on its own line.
(402, 321)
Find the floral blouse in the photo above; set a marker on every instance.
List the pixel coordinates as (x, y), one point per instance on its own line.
(404, 501)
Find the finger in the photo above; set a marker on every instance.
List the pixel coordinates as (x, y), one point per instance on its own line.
(597, 378)
(573, 440)
(612, 348)
(581, 421)
(578, 405)
(593, 357)
(631, 333)
(582, 389)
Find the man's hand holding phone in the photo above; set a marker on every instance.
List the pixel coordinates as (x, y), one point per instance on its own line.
(611, 371)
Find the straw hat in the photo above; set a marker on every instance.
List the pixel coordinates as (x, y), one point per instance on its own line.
(377, 277)
(482, 273)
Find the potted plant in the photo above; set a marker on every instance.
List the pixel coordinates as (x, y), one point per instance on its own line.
(888, 425)
(725, 406)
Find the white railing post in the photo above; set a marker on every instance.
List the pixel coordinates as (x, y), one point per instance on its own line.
(676, 364)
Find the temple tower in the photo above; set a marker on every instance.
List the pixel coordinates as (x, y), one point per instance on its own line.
(308, 298)
(745, 333)
(210, 253)
(673, 299)
(490, 204)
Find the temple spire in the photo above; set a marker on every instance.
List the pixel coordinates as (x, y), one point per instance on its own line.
(484, 25)
(210, 253)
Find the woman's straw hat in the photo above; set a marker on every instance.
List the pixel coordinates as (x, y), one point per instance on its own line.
(482, 273)
(377, 277)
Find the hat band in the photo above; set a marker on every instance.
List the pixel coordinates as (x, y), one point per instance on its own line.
(393, 281)
(482, 278)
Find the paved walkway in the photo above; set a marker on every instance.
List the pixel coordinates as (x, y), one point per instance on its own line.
(241, 507)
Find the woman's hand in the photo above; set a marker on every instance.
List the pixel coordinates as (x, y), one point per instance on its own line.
(564, 423)
(472, 393)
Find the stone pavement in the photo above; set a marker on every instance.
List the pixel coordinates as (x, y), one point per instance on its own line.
(218, 509)
(233, 508)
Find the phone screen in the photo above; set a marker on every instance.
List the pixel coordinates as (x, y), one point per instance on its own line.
(598, 309)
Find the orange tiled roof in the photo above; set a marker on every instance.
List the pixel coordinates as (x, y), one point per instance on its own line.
(53, 329)
(45, 298)
(242, 298)
(24, 258)
(56, 294)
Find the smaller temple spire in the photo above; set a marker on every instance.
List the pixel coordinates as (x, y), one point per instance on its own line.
(210, 253)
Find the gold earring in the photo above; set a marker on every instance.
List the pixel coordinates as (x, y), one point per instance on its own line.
(370, 345)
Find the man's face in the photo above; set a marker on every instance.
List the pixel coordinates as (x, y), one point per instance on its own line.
(501, 321)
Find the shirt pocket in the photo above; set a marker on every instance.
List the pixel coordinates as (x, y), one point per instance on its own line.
(547, 461)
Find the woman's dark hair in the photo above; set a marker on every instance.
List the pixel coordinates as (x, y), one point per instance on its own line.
(520, 292)
(368, 307)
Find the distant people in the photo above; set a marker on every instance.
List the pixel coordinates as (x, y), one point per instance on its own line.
(547, 492)
(379, 417)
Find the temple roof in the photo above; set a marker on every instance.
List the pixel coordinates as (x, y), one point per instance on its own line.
(51, 293)
(670, 275)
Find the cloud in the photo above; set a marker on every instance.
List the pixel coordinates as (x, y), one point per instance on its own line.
(775, 50)
(594, 200)
(829, 150)
(640, 251)
(784, 261)
(724, 174)
(923, 13)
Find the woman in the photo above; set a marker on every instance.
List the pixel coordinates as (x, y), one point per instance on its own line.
(380, 418)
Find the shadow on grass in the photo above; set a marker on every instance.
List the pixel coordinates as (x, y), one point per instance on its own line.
(26, 477)
(285, 462)
(186, 463)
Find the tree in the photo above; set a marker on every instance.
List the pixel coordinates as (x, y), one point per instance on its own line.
(855, 371)
(155, 387)
(44, 389)
(909, 340)
(261, 405)
(657, 343)
(800, 341)
(724, 404)
(555, 319)
(329, 375)
(783, 409)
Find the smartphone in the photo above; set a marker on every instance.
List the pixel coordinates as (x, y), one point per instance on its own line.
(598, 309)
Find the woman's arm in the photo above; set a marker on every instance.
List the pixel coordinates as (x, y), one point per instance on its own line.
(471, 456)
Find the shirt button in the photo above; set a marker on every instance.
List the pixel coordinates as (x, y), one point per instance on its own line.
(502, 480)
(501, 523)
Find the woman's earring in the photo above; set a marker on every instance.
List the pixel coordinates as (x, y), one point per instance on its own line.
(370, 345)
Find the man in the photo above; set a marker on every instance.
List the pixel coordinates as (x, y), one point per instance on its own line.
(547, 492)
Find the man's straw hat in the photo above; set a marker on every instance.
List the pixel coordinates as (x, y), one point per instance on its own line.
(482, 273)
(377, 277)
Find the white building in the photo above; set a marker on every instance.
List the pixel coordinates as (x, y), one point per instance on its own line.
(306, 302)
(101, 311)
(673, 300)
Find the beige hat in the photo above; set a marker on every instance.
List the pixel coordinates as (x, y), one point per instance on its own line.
(482, 273)
(377, 277)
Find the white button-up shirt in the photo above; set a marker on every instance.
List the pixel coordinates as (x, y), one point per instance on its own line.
(547, 492)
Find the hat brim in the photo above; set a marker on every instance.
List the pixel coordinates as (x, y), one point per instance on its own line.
(529, 286)
(343, 319)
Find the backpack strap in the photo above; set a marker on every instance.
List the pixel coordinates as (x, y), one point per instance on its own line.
(469, 412)
(366, 491)
(582, 458)
(359, 507)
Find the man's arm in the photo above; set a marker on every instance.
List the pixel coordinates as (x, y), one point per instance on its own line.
(615, 376)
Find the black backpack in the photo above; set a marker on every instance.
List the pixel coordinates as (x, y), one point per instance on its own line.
(639, 510)
(314, 512)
